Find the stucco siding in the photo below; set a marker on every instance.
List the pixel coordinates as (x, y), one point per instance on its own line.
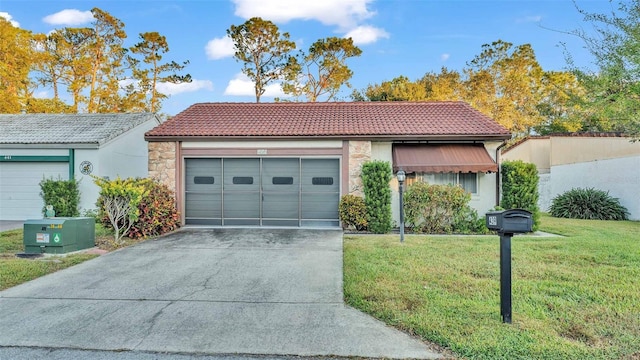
(262, 144)
(125, 156)
(535, 151)
(544, 192)
(620, 177)
(570, 150)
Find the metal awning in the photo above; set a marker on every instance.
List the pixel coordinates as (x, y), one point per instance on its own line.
(443, 158)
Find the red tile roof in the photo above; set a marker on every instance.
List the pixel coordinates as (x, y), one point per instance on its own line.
(405, 120)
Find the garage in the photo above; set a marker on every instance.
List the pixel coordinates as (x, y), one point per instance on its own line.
(20, 190)
(262, 191)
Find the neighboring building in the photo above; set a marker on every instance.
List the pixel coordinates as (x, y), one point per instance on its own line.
(604, 161)
(288, 164)
(65, 146)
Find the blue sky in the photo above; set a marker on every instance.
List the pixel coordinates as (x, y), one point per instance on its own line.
(397, 37)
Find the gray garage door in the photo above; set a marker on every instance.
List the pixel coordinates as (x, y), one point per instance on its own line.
(262, 191)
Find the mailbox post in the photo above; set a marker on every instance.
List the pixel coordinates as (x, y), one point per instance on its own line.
(507, 223)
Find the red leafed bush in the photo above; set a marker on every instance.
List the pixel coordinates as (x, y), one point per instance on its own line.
(157, 211)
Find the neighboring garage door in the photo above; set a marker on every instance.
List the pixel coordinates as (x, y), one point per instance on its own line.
(20, 187)
(262, 191)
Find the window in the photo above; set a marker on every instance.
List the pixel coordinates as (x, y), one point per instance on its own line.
(282, 180)
(322, 181)
(468, 181)
(203, 180)
(243, 180)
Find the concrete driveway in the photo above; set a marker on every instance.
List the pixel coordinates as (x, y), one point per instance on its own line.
(205, 291)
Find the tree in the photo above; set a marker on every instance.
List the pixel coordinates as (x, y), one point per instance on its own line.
(558, 107)
(106, 55)
(48, 106)
(322, 70)
(612, 90)
(516, 77)
(263, 50)
(398, 89)
(16, 54)
(65, 60)
(447, 85)
(152, 46)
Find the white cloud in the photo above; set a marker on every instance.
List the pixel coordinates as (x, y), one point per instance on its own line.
(9, 18)
(366, 34)
(195, 85)
(528, 19)
(445, 57)
(219, 48)
(345, 14)
(44, 94)
(241, 85)
(69, 17)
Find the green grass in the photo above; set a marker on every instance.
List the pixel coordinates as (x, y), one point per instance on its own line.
(574, 297)
(15, 271)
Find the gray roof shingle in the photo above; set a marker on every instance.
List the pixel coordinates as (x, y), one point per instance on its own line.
(68, 128)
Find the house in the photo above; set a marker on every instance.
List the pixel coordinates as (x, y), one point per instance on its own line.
(604, 161)
(288, 164)
(66, 146)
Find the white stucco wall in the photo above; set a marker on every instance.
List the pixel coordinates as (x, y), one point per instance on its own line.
(620, 177)
(544, 192)
(88, 190)
(125, 156)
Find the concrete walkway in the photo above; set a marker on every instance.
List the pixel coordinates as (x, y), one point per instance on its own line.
(6, 225)
(205, 291)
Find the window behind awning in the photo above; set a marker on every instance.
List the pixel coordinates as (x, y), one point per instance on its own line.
(443, 158)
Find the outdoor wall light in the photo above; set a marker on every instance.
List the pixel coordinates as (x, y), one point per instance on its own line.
(401, 178)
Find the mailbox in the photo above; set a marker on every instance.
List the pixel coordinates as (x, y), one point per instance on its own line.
(510, 221)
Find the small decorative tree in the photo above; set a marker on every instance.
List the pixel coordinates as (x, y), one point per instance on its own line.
(119, 199)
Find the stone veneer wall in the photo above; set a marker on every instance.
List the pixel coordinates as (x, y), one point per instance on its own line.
(359, 153)
(162, 163)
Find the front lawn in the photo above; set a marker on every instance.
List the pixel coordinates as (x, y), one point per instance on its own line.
(15, 271)
(574, 297)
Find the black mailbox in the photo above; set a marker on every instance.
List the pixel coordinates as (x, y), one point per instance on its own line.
(510, 221)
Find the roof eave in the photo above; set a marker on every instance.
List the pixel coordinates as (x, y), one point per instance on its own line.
(459, 137)
(91, 145)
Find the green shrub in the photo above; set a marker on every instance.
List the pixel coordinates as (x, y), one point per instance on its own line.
(589, 204)
(520, 188)
(353, 212)
(118, 203)
(157, 211)
(63, 195)
(440, 209)
(377, 195)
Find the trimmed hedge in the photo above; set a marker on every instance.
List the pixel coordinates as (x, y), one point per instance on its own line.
(520, 188)
(64, 195)
(440, 209)
(353, 212)
(377, 195)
